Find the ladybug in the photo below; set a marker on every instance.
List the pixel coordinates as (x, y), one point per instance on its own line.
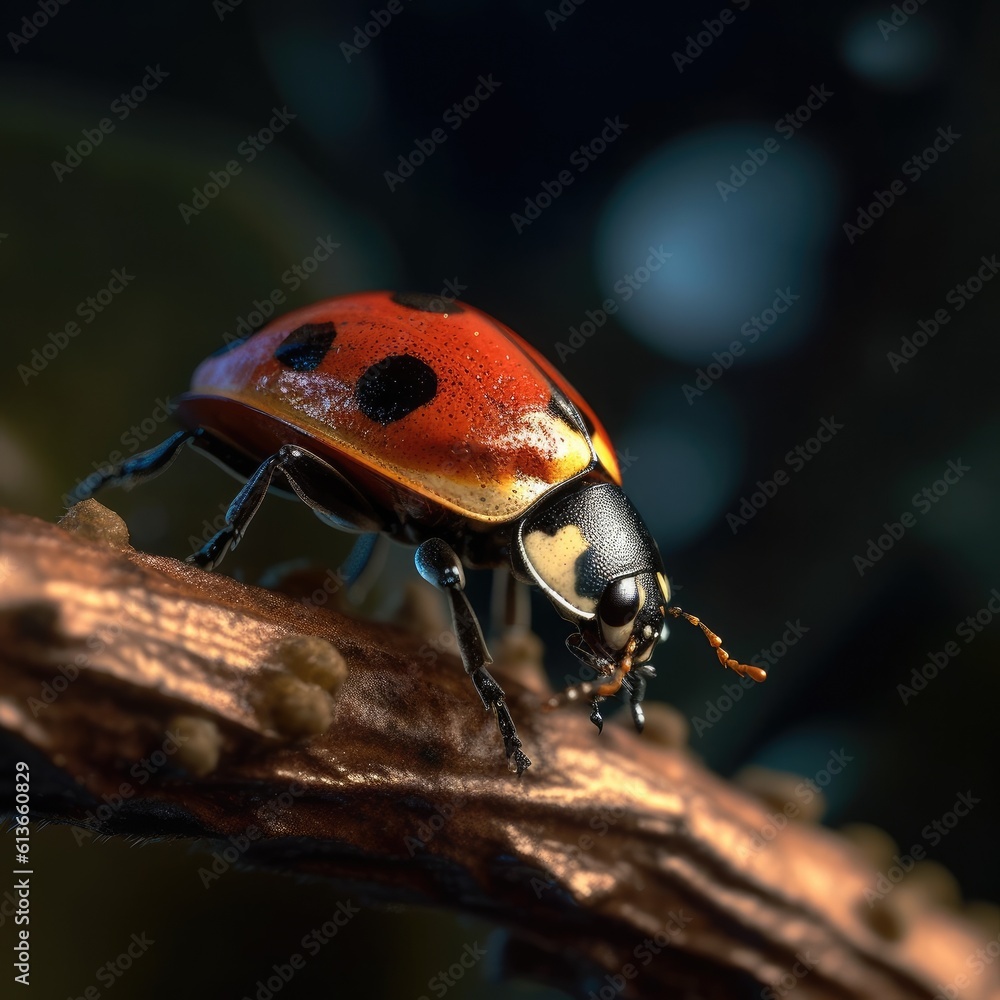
(404, 416)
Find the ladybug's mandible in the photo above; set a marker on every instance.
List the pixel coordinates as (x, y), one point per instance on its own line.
(400, 415)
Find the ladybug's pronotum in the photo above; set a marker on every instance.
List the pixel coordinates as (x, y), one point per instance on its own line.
(402, 416)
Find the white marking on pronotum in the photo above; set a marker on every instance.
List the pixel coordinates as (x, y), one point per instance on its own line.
(554, 559)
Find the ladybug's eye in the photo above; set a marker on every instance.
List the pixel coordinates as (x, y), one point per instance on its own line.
(617, 611)
(620, 602)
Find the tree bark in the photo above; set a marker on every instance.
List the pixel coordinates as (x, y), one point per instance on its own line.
(360, 753)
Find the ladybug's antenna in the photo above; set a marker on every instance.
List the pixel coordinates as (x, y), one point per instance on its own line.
(743, 669)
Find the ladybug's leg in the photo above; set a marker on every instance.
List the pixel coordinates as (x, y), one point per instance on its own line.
(133, 470)
(239, 515)
(316, 483)
(596, 690)
(595, 715)
(329, 494)
(363, 563)
(437, 564)
(636, 682)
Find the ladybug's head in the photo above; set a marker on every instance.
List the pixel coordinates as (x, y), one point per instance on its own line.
(630, 621)
(591, 554)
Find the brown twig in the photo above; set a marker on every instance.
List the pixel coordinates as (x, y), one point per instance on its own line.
(360, 752)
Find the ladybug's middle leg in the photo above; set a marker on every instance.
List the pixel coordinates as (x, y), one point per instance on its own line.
(437, 564)
(363, 564)
(238, 516)
(315, 482)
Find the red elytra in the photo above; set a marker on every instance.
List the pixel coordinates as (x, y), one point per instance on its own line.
(485, 446)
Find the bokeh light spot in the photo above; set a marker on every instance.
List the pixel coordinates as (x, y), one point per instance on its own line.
(892, 54)
(681, 472)
(731, 257)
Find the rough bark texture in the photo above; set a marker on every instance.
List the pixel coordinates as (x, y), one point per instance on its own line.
(403, 795)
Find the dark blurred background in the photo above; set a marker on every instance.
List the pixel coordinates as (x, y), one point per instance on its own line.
(836, 214)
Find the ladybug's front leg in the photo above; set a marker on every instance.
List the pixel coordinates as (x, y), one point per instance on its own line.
(437, 564)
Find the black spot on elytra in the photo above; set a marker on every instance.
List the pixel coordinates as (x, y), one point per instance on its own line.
(394, 387)
(426, 303)
(304, 349)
